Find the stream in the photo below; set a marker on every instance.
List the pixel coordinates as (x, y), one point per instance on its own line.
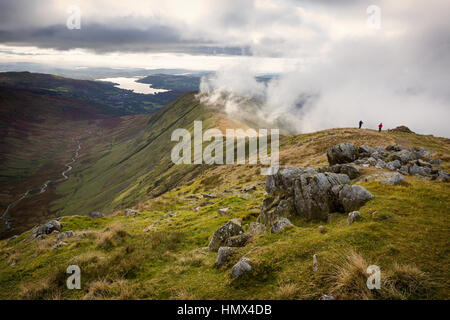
(42, 189)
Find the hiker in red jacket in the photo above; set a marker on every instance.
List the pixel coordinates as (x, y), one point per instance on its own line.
(380, 126)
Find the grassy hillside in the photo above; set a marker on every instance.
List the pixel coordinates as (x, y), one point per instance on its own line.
(404, 230)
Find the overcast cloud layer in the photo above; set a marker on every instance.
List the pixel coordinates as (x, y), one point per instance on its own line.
(335, 69)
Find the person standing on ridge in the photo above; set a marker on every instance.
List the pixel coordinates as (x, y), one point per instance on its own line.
(380, 126)
(360, 123)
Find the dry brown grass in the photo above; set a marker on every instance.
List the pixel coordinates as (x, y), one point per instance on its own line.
(193, 259)
(183, 294)
(407, 282)
(286, 291)
(349, 280)
(110, 289)
(49, 287)
(111, 236)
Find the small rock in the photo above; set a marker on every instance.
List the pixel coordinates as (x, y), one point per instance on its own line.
(322, 229)
(256, 228)
(393, 165)
(372, 161)
(221, 235)
(131, 212)
(315, 266)
(280, 223)
(206, 203)
(353, 216)
(224, 211)
(380, 164)
(223, 255)
(12, 238)
(241, 267)
(67, 234)
(209, 195)
(249, 188)
(58, 245)
(239, 240)
(327, 297)
(95, 215)
(146, 229)
(396, 179)
(192, 196)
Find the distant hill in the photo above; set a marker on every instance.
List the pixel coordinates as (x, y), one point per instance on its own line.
(182, 83)
(111, 99)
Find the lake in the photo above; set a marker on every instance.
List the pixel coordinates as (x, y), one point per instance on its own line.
(131, 84)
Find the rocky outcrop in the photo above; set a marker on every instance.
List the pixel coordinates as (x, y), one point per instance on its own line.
(46, 228)
(401, 129)
(243, 266)
(413, 161)
(309, 194)
(221, 235)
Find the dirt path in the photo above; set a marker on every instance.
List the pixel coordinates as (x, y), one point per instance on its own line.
(43, 188)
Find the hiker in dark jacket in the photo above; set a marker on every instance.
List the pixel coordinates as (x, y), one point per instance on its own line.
(360, 123)
(380, 126)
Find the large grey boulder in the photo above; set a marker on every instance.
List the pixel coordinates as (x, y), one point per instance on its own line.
(313, 197)
(46, 228)
(353, 197)
(221, 235)
(241, 267)
(283, 179)
(343, 153)
(223, 255)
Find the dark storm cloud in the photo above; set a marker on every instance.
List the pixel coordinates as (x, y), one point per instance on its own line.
(100, 38)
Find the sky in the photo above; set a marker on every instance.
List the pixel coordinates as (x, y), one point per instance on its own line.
(340, 61)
